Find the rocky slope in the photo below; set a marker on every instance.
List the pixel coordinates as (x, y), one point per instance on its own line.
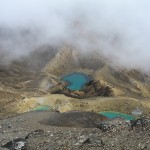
(132, 83)
(91, 89)
(23, 86)
(28, 130)
(62, 63)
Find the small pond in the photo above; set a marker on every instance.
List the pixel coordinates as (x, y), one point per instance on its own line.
(41, 108)
(76, 80)
(111, 115)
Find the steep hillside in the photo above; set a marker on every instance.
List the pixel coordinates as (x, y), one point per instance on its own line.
(130, 83)
(62, 63)
(23, 88)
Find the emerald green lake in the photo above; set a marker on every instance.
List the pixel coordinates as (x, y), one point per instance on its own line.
(76, 81)
(41, 107)
(111, 115)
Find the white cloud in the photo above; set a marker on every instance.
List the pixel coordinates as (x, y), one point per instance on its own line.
(118, 29)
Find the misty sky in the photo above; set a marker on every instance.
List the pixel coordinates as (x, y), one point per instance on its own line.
(117, 29)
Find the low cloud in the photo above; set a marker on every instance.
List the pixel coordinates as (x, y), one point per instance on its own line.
(118, 30)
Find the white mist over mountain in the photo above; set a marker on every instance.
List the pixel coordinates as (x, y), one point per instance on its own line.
(118, 29)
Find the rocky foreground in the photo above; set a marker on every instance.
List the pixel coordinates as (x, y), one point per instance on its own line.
(27, 131)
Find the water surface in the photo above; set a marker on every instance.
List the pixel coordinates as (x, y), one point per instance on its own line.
(111, 115)
(76, 80)
(41, 108)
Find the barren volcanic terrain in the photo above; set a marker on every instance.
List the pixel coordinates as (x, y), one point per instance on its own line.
(26, 87)
(22, 88)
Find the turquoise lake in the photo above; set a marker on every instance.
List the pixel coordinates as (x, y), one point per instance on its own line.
(76, 81)
(41, 108)
(111, 115)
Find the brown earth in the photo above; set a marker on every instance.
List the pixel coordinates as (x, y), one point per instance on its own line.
(39, 136)
(23, 88)
(91, 89)
(26, 86)
(75, 119)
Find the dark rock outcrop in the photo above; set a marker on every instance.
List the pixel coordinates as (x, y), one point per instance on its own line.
(91, 89)
(75, 119)
(16, 144)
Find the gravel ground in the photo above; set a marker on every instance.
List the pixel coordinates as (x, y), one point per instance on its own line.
(27, 127)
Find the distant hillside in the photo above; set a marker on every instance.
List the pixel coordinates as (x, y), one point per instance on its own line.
(124, 82)
(23, 81)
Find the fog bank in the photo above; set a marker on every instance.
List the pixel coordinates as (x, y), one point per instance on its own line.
(118, 30)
